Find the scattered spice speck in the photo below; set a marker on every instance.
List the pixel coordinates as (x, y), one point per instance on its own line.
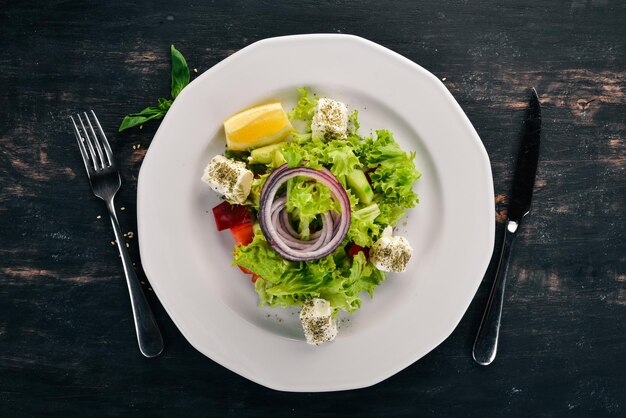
(131, 234)
(444, 79)
(195, 70)
(140, 126)
(127, 246)
(112, 242)
(122, 208)
(150, 289)
(98, 217)
(280, 320)
(134, 146)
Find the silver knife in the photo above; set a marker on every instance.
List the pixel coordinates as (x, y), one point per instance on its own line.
(486, 344)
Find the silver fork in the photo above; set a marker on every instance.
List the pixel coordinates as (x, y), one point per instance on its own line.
(105, 182)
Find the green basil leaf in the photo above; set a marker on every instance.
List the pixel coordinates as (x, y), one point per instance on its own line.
(180, 79)
(180, 72)
(164, 104)
(148, 111)
(140, 118)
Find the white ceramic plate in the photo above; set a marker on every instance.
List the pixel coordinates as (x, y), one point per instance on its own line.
(452, 230)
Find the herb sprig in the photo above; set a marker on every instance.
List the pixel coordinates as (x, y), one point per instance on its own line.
(180, 79)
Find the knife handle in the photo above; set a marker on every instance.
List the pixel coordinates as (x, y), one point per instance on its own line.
(486, 344)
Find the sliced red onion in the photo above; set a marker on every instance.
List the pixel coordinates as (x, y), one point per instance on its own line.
(284, 221)
(275, 223)
(326, 234)
(289, 239)
(285, 231)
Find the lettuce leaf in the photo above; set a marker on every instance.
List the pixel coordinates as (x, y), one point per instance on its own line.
(393, 175)
(353, 122)
(306, 200)
(335, 278)
(341, 156)
(305, 108)
(381, 149)
(364, 231)
(337, 155)
(390, 214)
(254, 198)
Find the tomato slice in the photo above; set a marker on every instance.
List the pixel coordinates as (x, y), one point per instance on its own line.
(354, 250)
(254, 277)
(245, 270)
(228, 216)
(243, 234)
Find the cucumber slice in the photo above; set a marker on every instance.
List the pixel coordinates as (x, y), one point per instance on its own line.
(264, 155)
(359, 185)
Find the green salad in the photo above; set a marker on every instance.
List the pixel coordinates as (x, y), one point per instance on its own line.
(376, 179)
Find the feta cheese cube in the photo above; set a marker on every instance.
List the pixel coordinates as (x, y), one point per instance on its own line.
(228, 177)
(391, 253)
(317, 321)
(330, 119)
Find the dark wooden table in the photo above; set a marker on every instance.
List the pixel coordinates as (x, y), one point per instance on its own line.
(67, 343)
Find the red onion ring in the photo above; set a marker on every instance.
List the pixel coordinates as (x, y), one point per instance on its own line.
(284, 221)
(289, 235)
(278, 231)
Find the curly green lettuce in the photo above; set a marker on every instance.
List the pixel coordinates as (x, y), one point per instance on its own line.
(338, 278)
(306, 200)
(392, 173)
(364, 228)
(305, 108)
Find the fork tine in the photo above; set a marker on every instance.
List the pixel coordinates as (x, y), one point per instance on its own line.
(81, 145)
(105, 141)
(88, 139)
(96, 141)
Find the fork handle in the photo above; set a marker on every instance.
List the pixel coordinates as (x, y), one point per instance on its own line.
(148, 335)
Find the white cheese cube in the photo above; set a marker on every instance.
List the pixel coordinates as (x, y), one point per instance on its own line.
(390, 253)
(330, 119)
(317, 321)
(228, 177)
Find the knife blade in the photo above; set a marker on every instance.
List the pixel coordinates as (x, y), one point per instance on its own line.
(527, 159)
(486, 343)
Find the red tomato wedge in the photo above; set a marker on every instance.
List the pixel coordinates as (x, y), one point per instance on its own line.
(243, 234)
(354, 250)
(228, 216)
(245, 270)
(254, 277)
(237, 219)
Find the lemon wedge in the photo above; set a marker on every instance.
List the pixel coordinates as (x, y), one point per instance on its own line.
(256, 127)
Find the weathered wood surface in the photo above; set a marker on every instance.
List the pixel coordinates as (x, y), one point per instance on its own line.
(67, 343)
